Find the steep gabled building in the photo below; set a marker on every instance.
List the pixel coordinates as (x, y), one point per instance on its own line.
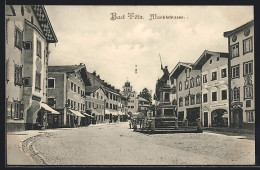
(242, 75)
(66, 93)
(28, 35)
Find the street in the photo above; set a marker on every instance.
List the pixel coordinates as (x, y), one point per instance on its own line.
(116, 144)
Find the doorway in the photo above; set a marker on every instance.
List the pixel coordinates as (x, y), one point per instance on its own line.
(206, 122)
(238, 117)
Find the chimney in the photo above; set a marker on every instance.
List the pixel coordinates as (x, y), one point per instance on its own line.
(94, 73)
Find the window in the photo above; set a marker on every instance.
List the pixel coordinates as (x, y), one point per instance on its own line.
(214, 76)
(247, 45)
(198, 81)
(187, 101)
(186, 84)
(223, 94)
(101, 97)
(97, 95)
(75, 88)
(192, 99)
(74, 105)
(235, 71)
(217, 58)
(236, 94)
(248, 103)
(234, 50)
(26, 82)
(248, 68)
(71, 104)
(192, 82)
(214, 96)
(166, 97)
(250, 116)
(18, 75)
(93, 105)
(198, 98)
(39, 48)
(17, 110)
(38, 80)
(180, 86)
(187, 71)
(111, 106)
(51, 83)
(106, 104)
(205, 98)
(205, 78)
(132, 107)
(111, 96)
(78, 90)
(180, 101)
(71, 86)
(248, 92)
(89, 104)
(18, 41)
(210, 61)
(223, 73)
(52, 102)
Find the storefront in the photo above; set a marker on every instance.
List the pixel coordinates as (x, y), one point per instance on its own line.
(74, 118)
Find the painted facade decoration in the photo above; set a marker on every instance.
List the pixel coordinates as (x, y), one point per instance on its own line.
(242, 75)
(28, 35)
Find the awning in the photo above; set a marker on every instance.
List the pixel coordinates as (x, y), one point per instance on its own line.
(87, 115)
(96, 112)
(76, 113)
(48, 108)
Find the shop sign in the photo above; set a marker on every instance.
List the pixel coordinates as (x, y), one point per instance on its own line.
(219, 105)
(36, 98)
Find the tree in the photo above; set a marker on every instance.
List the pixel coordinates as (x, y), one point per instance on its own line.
(146, 94)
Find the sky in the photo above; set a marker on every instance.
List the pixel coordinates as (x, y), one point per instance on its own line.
(114, 48)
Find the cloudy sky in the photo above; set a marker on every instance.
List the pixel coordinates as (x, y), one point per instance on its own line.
(112, 48)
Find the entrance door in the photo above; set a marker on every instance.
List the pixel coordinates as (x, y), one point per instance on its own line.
(238, 117)
(206, 119)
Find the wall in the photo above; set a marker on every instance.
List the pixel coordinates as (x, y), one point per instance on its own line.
(214, 86)
(184, 92)
(239, 82)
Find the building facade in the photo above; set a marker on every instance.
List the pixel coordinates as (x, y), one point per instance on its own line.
(213, 68)
(66, 93)
(132, 103)
(242, 75)
(188, 83)
(113, 101)
(28, 35)
(95, 103)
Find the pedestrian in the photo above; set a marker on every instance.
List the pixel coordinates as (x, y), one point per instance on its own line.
(130, 124)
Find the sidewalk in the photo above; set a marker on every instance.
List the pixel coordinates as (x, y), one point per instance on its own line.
(229, 130)
(14, 151)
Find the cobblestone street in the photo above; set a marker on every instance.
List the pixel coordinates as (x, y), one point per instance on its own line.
(116, 144)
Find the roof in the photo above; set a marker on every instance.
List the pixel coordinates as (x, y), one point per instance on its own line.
(205, 56)
(142, 99)
(64, 68)
(96, 81)
(229, 33)
(179, 68)
(44, 22)
(91, 89)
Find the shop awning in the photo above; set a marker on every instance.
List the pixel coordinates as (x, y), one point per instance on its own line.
(48, 108)
(76, 113)
(95, 112)
(87, 115)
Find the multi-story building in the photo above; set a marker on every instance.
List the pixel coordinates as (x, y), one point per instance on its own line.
(188, 83)
(132, 103)
(112, 108)
(28, 35)
(95, 103)
(66, 93)
(143, 104)
(213, 67)
(241, 72)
